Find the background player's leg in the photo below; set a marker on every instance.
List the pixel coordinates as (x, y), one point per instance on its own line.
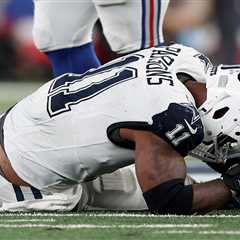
(74, 60)
(63, 30)
(132, 25)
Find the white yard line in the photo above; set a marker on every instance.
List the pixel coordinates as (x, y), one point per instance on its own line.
(198, 232)
(174, 232)
(156, 226)
(133, 226)
(173, 228)
(228, 232)
(27, 220)
(158, 216)
(141, 215)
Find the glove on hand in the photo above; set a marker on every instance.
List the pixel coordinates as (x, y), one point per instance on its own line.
(231, 176)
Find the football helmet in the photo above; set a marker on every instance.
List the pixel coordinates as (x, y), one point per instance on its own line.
(220, 114)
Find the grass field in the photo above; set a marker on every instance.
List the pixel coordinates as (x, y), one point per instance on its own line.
(12, 92)
(219, 225)
(109, 225)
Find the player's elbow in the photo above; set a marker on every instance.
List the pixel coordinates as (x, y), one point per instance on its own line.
(171, 197)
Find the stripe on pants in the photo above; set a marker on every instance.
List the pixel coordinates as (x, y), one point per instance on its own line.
(143, 24)
(151, 16)
(151, 24)
(36, 193)
(18, 192)
(158, 20)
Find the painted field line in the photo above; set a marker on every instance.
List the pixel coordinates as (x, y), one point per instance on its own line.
(141, 215)
(27, 220)
(220, 232)
(79, 226)
(198, 232)
(158, 216)
(174, 232)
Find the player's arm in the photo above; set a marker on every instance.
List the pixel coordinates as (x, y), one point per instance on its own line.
(161, 172)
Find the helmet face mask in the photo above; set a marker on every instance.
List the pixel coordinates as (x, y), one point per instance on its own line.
(217, 151)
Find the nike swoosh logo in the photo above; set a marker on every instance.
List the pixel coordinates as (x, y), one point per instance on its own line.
(191, 130)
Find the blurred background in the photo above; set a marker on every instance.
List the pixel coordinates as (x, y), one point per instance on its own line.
(211, 26)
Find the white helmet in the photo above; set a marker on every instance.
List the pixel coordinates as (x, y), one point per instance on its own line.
(220, 115)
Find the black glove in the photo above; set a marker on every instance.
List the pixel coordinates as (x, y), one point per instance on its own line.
(234, 203)
(218, 167)
(231, 176)
(233, 158)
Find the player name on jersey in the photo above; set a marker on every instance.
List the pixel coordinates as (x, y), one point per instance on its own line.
(157, 68)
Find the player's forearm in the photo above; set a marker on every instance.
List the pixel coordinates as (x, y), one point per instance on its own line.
(210, 195)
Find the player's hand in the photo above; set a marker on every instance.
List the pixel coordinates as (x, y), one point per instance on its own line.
(231, 173)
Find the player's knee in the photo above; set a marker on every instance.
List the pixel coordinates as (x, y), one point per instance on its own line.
(42, 38)
(47, 39)
(171, 197)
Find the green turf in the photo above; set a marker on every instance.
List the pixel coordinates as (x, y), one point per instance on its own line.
(119, 227)
(12, 92)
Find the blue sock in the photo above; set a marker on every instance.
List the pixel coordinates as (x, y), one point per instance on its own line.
(73, 60)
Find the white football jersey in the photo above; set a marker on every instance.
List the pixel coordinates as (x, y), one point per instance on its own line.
(58, 134)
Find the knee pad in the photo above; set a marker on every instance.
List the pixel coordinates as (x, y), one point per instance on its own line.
(171, 197)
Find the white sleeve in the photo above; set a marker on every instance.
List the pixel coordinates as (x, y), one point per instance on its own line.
(193, 63)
